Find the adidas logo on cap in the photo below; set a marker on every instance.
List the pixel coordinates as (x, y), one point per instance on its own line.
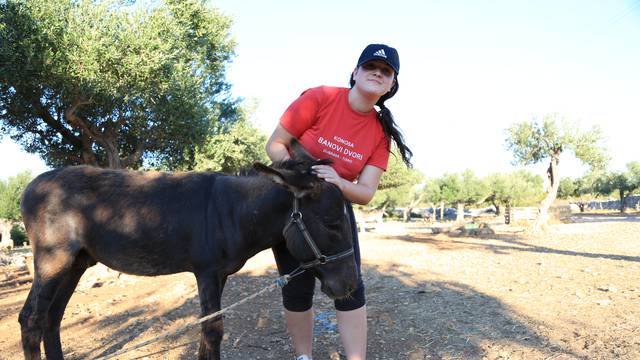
(380, 53)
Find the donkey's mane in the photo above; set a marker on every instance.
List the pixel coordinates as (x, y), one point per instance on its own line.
(301, 166)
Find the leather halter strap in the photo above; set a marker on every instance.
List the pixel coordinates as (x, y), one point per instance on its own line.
(296, 218)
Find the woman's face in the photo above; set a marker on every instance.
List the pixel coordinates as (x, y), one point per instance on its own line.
(374, 77)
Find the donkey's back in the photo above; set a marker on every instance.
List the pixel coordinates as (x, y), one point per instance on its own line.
(136, 222)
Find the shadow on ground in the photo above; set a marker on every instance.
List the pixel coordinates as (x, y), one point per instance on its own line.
(407, 320)
(507, 244)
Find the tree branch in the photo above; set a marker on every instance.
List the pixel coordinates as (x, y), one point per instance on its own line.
(135, 156)
(74, 120)
(56, 124)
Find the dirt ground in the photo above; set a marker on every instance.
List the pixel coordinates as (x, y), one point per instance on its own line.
(573, 293)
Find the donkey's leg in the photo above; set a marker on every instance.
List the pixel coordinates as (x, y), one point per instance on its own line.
(30, 331)
(51, 336)
(51, 269)
(210, 286)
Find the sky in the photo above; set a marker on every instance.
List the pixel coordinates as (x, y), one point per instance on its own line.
(469, 70)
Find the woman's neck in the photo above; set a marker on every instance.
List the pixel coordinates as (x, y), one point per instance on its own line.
(359, 102)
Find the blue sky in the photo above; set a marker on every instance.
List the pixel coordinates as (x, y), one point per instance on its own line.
(469, 69)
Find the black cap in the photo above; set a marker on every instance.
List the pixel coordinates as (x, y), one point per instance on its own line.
(381, 52)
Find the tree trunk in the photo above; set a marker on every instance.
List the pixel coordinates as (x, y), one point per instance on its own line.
(542, 219)
(460, 214)
(442, 211)
(112, 154)
(507, 214)
(622, 201)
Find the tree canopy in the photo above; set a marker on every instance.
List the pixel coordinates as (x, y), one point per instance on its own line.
(519, 188)
(113, 83)
(11, 193)
(462, 189)
(233, 148)
(397, 185)
(532, 142)
(625, 183)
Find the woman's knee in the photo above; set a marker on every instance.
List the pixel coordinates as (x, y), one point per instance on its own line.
(354, 301)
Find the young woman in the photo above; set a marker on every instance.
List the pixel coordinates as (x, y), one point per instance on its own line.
(341, 124)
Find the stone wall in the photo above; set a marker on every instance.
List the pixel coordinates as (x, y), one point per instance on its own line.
(631, 202)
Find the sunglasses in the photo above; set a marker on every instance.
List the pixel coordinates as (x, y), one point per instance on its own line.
(384, 69)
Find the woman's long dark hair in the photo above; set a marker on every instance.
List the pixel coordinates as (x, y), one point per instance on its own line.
(391, 130)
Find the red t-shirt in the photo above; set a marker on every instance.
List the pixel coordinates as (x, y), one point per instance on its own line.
(326, 125)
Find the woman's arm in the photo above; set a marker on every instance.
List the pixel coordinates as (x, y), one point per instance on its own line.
(361, 192)
(277, 144)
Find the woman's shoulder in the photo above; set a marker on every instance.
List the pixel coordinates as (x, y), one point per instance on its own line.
(325, 91)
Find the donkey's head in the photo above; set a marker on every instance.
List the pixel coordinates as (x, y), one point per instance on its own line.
(318, 231)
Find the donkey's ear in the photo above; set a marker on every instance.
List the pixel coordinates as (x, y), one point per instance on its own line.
(287, 178)
(298, 152)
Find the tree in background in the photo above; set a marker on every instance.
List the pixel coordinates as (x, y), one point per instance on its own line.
(111, 83)
(10, 195)
(232, 147)
(462, 190)
(519, 188)
(398, 187)
(432, 194)
(580, 190)
(568, 188)
(533, 142)
(625, 183)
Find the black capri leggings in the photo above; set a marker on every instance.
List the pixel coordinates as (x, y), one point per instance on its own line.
(297, 295)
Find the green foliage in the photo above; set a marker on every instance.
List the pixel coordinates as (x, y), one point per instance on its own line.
(568, 188)
(232, 148)
(624, 183)
(519, 188)
(18, 235)
(610, 182)
(582, 189)
(398, 185)
(633, 173)
(433, 191)
(10, 195)
(109, 83)
(462, 188)
(533, 142)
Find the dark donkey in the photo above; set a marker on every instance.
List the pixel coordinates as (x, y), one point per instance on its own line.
(161, 223)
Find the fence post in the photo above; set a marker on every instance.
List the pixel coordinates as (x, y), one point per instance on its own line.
(507, 214)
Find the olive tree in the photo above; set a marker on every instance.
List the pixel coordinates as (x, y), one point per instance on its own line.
(462, 189)
(398, 186)
(233, 148)
(10, 195)
(625, 183)
(518, 188)
(113, 83)
(533, 142)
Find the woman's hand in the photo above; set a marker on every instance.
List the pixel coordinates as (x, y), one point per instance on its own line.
(361, 192)
(329, 174)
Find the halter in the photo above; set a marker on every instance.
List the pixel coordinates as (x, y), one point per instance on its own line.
(296, 217)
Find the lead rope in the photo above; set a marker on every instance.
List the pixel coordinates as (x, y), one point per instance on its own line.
(278, 283)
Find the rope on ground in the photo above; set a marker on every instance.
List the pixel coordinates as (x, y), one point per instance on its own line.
(279, 282)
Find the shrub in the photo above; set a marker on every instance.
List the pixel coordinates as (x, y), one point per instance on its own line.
(19, 236)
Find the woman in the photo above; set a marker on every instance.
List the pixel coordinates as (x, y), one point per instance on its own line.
(341, 124)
